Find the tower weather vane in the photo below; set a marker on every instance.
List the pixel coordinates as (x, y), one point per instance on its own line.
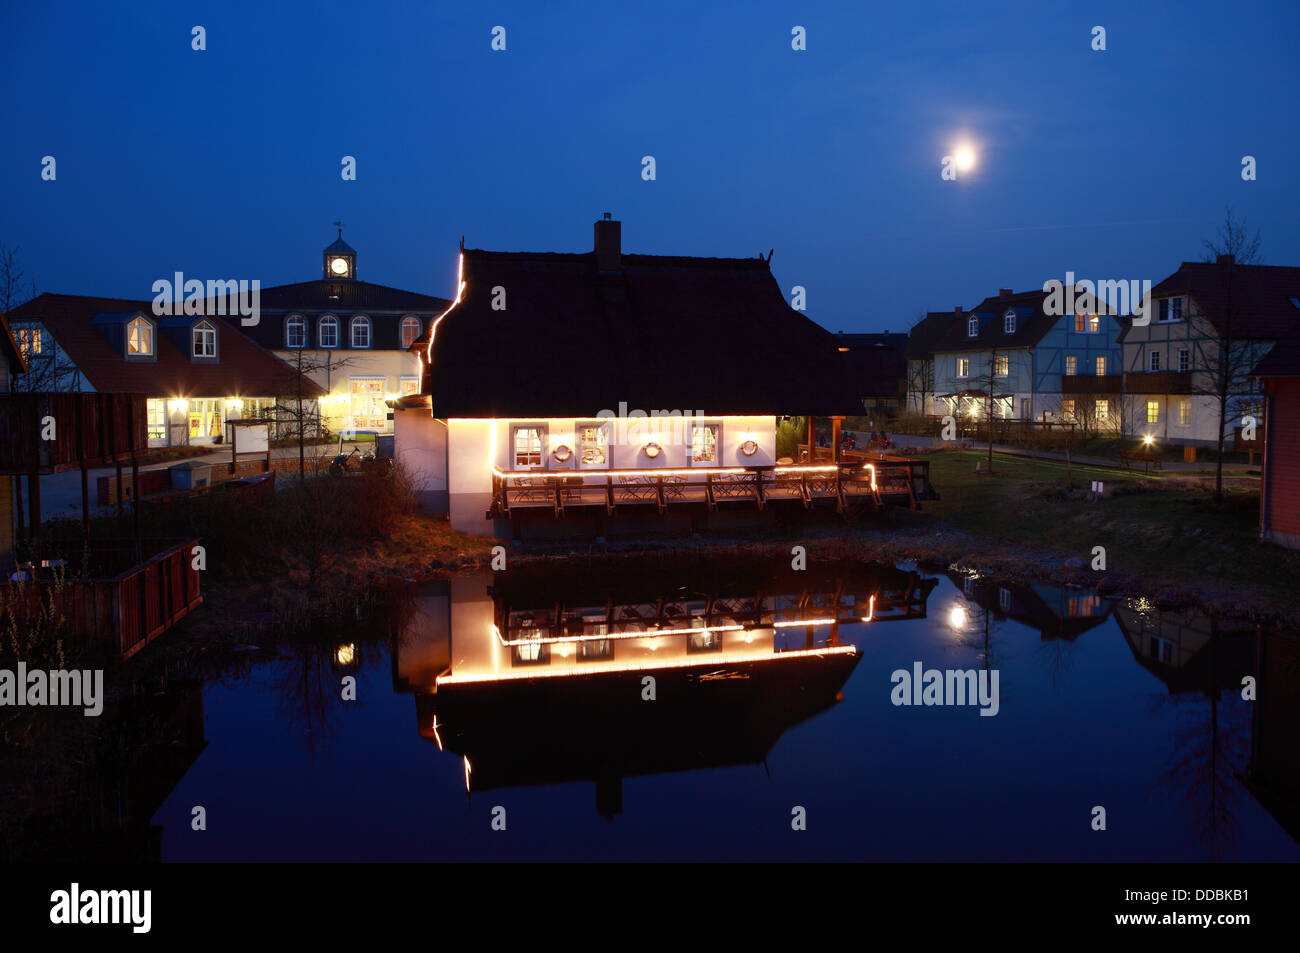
(340, 227)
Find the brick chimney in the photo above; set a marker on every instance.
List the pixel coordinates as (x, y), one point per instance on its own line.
(1226, 260)
(608, 241)
(957, 310)
(1005, 292)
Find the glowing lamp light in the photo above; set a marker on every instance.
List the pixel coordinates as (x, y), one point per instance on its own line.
(1148, 440)
(957, 617)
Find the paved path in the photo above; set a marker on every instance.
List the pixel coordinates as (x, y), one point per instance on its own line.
(908, 441)
(61, 492)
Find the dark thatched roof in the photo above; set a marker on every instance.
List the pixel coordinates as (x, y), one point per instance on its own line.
(707, 335)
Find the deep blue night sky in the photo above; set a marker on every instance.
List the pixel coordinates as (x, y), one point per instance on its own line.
(225, 163)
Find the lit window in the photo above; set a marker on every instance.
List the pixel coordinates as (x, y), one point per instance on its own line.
(1071, 364)
(1081, 322)
(410, 330)
(972, 326)
(593, 449)
(408, 386)
(361, 331)
(30, 342)
(295, 332)
(1087, 323)
(139, 337)
(204, 339)
(1153, 361)
(1009, 323)
(704, 443)
(328, 332)
(1184, 411)
(1153, 411)
(527, 448)
(1184, 359)
(1002, 365)
(1101, 367)
(157, 415)
(1094, 324)
(367, 404)
(1067, 409)
(963, 367)
(1103, 410)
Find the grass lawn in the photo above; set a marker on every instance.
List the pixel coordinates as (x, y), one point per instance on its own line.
(1159, 525)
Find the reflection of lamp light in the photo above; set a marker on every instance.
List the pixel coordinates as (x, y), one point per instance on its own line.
(957, 617)
(346, 654)
(652, 450)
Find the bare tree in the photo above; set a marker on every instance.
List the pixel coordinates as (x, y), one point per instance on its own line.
(1226, 357)
(985, 385)
(920, 373)
(12, 291)
(297, 413)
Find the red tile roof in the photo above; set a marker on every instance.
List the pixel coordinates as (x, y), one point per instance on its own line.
(1260, 299)
(10, 347)
(244, 368)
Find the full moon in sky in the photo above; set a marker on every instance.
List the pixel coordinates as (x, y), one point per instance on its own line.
(965, 158)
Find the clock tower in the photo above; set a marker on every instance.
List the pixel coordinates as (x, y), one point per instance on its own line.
(340, 258)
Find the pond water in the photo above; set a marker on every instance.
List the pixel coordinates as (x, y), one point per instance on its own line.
(524, 699)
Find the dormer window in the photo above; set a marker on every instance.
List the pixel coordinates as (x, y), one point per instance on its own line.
(203, 338)
(295, 331)
(410, 330)
(1009, 323)
(139, 338)
(1171, 309)
(973, 326)
(328, 332)
(361, 331)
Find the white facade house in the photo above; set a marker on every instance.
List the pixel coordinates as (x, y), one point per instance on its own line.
(587, 386)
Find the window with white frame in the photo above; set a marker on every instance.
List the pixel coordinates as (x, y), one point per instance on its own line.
(1001, 365)
(1171, 309)
(1009, 323)
(1184, 411)
(704, 444)
(295, 331)
(1071, 364)
(1067, 409)
(1103, 410)
(406, 386)
(972, 326)
(963, 367)
(593, 445)
(1184, 359)
(1153, 361)
(1087, 323)
(139, 337)
(1101, 366)
(203, 340)
(526, 447)
(156, 410)
(1153, 411)
(410, 330)
(327, 332)
(361, 331)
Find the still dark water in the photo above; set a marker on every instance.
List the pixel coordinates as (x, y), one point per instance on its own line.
(1101, 703)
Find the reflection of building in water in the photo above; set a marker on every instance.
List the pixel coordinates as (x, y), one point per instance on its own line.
(144, 744)
(538, 680)
(1057, 613)
(1275, 744)
(1179, 646)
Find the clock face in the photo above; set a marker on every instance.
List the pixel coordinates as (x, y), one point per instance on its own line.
(339, 266)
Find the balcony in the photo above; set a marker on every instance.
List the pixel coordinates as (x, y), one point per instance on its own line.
(1158, 382)
(1091, 384)
(875, 483)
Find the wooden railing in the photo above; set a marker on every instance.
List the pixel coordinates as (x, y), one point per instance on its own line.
(863, 480)
(110, 602)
